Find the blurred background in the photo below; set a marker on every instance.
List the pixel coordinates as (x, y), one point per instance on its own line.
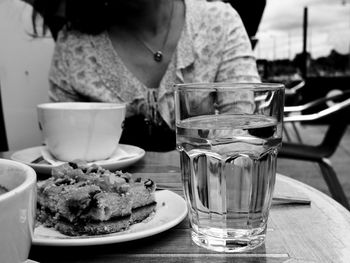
(305, 44)
(281, 37)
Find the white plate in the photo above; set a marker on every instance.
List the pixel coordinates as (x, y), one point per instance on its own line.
(171, 209)
(28, 155)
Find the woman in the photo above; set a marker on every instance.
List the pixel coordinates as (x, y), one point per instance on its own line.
(134, 51)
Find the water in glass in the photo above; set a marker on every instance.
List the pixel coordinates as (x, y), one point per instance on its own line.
(228, 165)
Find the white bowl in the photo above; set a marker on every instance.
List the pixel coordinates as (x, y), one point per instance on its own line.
(17, 210)
(81, 130)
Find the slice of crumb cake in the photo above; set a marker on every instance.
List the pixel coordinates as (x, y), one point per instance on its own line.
(80, 199)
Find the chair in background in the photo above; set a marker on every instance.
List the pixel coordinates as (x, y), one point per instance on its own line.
(335, 115)
(293, 97)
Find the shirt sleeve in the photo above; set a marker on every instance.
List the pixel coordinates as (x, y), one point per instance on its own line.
(238, 65)
(60, 78)
(238, 62)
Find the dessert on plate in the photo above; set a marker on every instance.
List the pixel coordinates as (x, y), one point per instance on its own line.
(79, 199)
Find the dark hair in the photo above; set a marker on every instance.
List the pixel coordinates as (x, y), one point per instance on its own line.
(47, 10)
(86, 16)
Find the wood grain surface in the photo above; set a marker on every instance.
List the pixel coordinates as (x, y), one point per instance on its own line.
(319, 232)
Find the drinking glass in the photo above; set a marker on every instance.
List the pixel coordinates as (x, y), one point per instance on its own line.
(228, 136)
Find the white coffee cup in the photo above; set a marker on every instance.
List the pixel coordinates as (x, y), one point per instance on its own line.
(17, 210)
(81, 130)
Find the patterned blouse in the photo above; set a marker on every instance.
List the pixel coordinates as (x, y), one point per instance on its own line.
(213, 47)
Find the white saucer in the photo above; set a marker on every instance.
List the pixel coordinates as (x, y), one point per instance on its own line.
(28, 155)
(171, 209)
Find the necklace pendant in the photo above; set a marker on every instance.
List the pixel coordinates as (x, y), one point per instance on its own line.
(158, 56)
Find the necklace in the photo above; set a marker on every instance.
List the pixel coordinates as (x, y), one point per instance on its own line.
(158, 54)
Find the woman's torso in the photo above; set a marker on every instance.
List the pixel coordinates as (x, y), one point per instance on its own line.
(97, 72)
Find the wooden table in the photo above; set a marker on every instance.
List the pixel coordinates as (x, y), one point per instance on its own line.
(319, 232)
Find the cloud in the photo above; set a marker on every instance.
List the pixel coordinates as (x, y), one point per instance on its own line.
(328, 20)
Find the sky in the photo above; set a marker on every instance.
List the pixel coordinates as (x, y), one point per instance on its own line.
(281, 29)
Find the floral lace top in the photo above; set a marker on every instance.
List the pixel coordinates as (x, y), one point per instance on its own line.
(213, 47)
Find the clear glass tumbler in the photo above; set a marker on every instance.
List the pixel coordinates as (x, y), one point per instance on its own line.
(228, 136)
